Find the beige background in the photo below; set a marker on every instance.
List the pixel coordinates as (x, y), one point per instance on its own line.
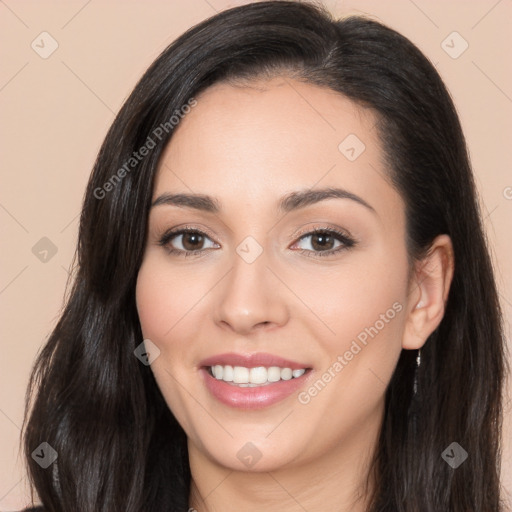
(56, 111)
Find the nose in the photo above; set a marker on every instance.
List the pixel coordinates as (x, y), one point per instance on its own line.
(250, 298)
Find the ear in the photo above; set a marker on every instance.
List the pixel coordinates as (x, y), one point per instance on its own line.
(428, 292)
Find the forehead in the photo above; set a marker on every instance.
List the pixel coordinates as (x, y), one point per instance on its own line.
(256, 143)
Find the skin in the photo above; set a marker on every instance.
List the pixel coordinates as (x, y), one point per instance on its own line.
(248, 145)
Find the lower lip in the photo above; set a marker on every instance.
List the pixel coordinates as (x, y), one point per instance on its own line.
(252, 398)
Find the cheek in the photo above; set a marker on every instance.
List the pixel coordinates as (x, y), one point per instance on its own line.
(350, 299)
(153, 301)
(166, 299)
(361, 305)
(165, 304)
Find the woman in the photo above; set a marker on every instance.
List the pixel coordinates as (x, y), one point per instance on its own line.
(283, 300)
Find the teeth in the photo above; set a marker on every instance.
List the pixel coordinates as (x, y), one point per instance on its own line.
(240, 375)
(252, 377)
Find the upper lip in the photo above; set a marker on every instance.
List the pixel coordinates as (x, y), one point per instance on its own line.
(251, 361)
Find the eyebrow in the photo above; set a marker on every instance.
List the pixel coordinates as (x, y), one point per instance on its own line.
(290, 202)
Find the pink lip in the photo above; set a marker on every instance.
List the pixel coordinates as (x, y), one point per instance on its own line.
(256, 397)
(252, 398)
(252, 361)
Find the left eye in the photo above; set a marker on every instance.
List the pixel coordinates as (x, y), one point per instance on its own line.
(323, 241)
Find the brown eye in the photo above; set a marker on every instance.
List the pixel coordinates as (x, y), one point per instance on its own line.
(323, 242)
(192, 241)
(186, 241)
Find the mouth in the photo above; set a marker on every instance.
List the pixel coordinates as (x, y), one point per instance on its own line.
(253, 381)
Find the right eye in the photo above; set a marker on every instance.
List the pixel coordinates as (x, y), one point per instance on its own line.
(186, 241)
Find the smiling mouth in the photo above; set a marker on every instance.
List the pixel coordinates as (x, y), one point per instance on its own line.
(259, 376)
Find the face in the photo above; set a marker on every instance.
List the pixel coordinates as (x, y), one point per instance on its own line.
(274, 272)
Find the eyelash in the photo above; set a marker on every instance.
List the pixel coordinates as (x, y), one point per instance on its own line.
(346, 240)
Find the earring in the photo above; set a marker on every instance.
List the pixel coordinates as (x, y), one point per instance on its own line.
(418, 363)
(415, 407)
